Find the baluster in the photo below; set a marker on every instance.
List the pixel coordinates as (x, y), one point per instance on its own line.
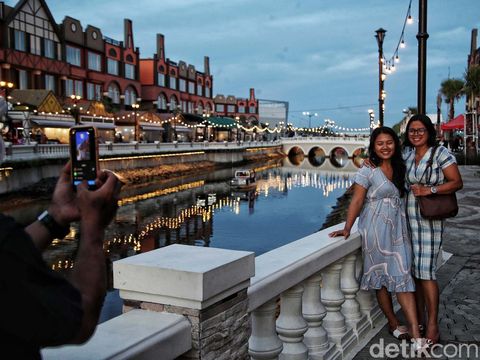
(264, 343)
(351, 308)
(316, 338)
(333, 298)
(291, 325)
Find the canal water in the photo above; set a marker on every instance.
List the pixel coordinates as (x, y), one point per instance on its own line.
(289, 202)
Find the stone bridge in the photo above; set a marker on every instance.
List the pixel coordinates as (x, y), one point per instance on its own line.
(314, 150)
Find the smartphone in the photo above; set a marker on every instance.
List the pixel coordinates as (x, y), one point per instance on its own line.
(84, 155)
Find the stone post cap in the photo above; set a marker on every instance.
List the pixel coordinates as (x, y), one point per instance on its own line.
(182, 275)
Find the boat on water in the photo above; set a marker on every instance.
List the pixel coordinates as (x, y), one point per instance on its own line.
(244, 180)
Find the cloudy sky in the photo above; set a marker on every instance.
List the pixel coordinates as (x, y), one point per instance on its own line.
(320, 56)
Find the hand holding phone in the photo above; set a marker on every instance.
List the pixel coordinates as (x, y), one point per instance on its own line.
(84, 155)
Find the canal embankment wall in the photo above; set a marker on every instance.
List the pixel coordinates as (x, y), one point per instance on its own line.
(28, 170)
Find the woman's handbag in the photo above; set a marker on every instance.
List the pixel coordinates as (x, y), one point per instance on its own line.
(437, 206)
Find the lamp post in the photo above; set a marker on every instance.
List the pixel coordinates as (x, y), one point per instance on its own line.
(75, 110)
(371, 114)
(206, 115)
(135, 107)
(422, 37)
(381, 77)
(309, 114)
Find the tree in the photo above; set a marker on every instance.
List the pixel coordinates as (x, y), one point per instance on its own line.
(472, 84)
(452, 90)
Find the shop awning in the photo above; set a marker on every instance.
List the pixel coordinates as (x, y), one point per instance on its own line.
(99, 123)
(456, 123)
(221, 122)
(53, 121)
(151, 127)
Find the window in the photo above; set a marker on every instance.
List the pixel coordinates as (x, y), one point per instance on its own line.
(78, 87)
(19, 38)
(130, 96)
(173, 103)
(199, 108)
(199, 89)
(130, 71)
(182, 85)
(252, 109)
(161, 102)
(22, 80)
(230, 108)
(68, 87)
(49, 48)
(112, 67)
(114, 93)
(207, 92)
(73, 56)
(220, 108)
(173, 82)
(94, 61)
(191, 87)
(161, 79)
(50, 82)
(35, 45)
(190, 107)
(94, 91)
(241, 109)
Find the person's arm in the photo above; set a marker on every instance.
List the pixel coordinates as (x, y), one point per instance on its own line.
(453, 184)
(356, 204)
(63, 209)
(97, 209)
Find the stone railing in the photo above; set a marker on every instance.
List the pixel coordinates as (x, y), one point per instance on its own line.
(61, 151)
(231, 301)
(325, 139)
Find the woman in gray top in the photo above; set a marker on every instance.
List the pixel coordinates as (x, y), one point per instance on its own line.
(378, 200)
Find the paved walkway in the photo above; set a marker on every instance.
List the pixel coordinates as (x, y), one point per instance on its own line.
(459, 278)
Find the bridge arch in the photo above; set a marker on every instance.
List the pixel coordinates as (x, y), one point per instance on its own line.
(296, 155)
(339, 157)
(317, 156)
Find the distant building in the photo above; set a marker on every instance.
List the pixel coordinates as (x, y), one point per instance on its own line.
(273, 112)
(242, 109)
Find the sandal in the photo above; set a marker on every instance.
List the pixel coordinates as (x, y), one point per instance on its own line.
(400, 333)
(420, 346)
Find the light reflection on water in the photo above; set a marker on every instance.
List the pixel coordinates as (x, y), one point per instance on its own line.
(288, 203)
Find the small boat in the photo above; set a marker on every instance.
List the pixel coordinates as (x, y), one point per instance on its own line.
(244, 180)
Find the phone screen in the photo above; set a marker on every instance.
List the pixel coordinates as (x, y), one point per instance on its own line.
(84, 157)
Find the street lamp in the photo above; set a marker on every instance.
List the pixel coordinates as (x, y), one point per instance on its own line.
(135, 107)
(309, 114)
(381, 78)
(206, 115)
(75, 111)
(6, 86)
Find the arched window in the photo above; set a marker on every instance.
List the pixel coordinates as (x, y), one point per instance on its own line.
(114, 93)
(208, 108)
(173, 102)
(161, 102)
(130, 96)
(199, 107)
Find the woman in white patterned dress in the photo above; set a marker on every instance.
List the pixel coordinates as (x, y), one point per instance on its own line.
(379, 201)
(426, 235)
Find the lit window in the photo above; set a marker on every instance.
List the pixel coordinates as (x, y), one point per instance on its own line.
(73, 56)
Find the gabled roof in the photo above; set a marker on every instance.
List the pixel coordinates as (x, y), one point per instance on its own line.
(44, 5)
(42, 100)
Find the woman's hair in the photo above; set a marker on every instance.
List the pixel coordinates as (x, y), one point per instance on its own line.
(398, 164)
(425, 120)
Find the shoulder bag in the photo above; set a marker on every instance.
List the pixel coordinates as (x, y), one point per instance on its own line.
(437, 206)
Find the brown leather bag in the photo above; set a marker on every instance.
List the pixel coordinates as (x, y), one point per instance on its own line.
(437, 206)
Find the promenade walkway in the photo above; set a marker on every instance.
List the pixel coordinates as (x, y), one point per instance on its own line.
(459, 277)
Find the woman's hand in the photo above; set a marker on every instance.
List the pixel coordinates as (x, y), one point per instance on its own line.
(344, 232)
(420, 190)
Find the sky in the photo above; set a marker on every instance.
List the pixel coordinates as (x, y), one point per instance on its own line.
(321, 56)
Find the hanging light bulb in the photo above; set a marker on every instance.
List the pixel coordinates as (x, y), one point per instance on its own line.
(409, 19)
(393, 68)
(402, 44)
(397, 59)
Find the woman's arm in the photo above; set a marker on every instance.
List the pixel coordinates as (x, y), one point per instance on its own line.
(454, 183)
(359, 194)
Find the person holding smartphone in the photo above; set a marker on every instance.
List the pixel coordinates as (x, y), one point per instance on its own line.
(39, 307)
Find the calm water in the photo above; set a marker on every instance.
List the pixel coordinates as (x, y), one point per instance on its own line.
(289, 203)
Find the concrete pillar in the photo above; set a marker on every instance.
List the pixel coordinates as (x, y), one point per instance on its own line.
(264, 343)
(206, 285)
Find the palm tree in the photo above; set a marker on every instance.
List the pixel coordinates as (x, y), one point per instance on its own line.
(472, 85)
(452, 90)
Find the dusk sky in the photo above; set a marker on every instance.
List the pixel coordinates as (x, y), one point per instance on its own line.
(320, 56)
